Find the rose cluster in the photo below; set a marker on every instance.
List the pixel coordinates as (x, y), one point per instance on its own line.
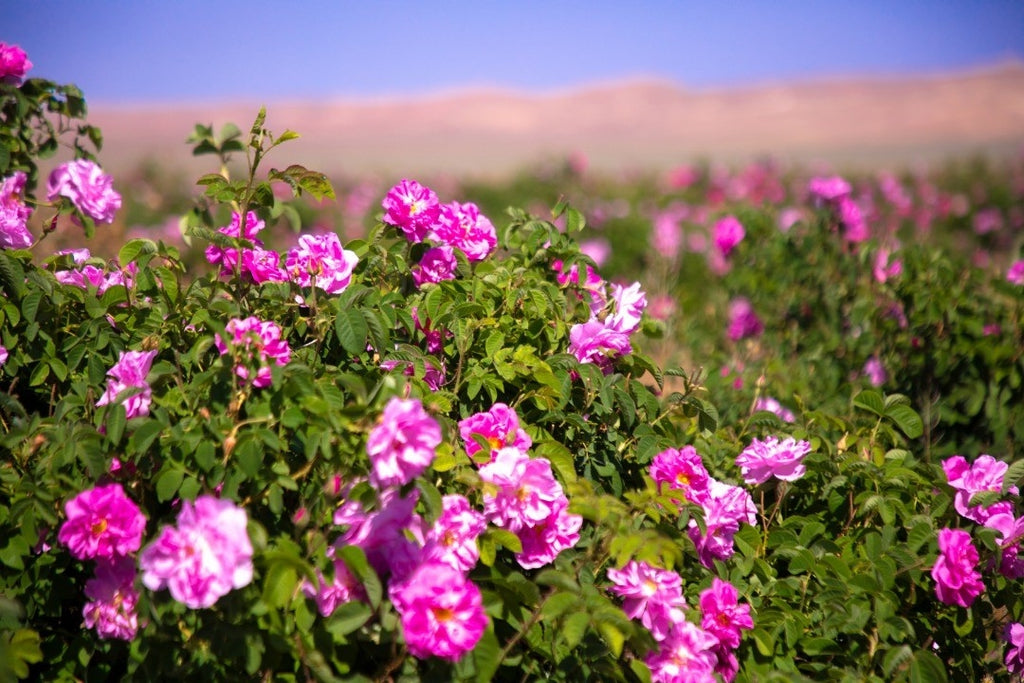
(685, 651)
(725, 506)
(416, 211)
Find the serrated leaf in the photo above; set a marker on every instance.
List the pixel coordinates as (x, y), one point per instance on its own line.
(907, 420)
(927, 668)
(1013, 476)
(351, 329)
(355, 559)
(347, 618)
(870, 401)
(487, 655)
(558, 604)
(168, 484)
(130, 251)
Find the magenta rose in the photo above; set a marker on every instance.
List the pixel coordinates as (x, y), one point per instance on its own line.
(88, 187)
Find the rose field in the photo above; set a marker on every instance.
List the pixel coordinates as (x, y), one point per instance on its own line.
(761, 423)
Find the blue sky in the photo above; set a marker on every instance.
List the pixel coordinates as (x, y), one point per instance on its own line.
(210, 50)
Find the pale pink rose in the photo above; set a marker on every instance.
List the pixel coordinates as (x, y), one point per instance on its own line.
(129, 376)
(441, 611)
(329, 594)
(985, 474)
(743, 321)
(828, 189)
(875, 371)
(256, 263)
(773, 406)
(687, 654)
(499, 426)
(597, 250)
(542, 543)
(204, 557)
(321, 261)
(254, 342)
(884, 268)
(452, 539)
(520, 491)
(764, 459)
(382, 532)
(628, 304)
(102, 522)
(652, 595)
(463, 226)
(14, 64)
(403, 443)
(88, 187)
(725, 508)
(595, 342)
(112, 599)
(14, 213)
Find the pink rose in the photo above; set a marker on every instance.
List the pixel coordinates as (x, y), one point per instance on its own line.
(88, 187)
(14, 64)
(14, 213)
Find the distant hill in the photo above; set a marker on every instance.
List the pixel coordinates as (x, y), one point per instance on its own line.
(635, 125)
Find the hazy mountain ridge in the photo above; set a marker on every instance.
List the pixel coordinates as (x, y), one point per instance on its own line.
(638, 124)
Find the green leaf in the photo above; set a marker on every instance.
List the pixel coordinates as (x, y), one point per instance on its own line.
(927, 668)
(573, 628)
(347, 618)
(355, 559)
(870, 401)
(168, 483)
(612, 636)
(907, 420)
(280, 584)
(350, 327)
(558, 604)
(1014, 476)
(133, 248)
(487, 655)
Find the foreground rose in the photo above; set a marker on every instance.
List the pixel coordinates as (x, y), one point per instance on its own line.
(102, 522)
(412, 208)
(88, 187)
(652, 595)
(321, 261)
(112, 599)
(129, 373)
(14, 64)
(956, 582)
(442, 611)
(402, 444)
(14, 214)
(762, 460)
(203, 557)
(254, 341)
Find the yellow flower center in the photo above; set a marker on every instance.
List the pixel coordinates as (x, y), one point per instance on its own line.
(443, 613)
(99, 527)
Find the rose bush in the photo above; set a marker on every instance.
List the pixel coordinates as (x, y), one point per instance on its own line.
(438, 452)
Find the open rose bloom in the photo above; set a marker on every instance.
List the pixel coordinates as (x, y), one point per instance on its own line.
(14, 213)
(204, 556)
(88, 187)
(14, 64)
